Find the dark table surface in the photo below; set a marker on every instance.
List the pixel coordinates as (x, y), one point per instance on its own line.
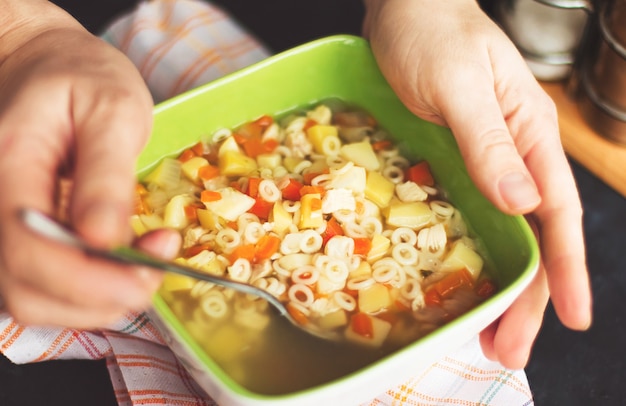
(566, 367)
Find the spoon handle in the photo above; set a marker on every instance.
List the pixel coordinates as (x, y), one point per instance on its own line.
(51, 229)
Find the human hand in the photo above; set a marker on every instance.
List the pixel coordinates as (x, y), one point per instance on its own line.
(71, 105)
(450, 64)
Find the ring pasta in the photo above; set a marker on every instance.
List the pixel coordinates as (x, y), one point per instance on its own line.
(322, 210)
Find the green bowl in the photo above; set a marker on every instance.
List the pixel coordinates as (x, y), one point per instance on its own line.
(341, 67)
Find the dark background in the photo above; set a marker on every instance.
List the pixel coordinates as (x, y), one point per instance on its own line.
(566, 367)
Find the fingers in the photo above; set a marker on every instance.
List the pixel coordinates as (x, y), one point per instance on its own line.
(76, 290)
(510, 339)
(558, 218)
(162, 243)
(112, 123)
(513, 153)
(563, 251)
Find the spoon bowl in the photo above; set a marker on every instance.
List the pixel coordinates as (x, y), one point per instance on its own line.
(47, 227)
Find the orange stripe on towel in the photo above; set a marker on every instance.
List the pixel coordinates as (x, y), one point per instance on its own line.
(12, 338)
(208, 58)
(48, 354)
(156, 54)
(140, 25)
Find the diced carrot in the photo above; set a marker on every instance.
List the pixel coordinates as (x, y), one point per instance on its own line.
(141, 207)
(240, 138)
(310, 189)
(208, 172)
(452, 282)
(381, 145)
(186, 155)
(210, 196)
(190, 212)
(237, 186)
(245, 251)
(297, 314)
(362, 246)
(390, 317)
(362, 324)
(316, 204)
(261, 208)
(270, 145)
(308, 177)
(432, 297)
(351, 292)
(198, 148)
(333, 228)
(233, 224)
(264, 121)
(308, 124)
(253, 187)
(266, 247)
(195, 250)
(401, 306)
(485, 288)
(420, 174)
(253, 147)
(292, 190)
(140, 189)
(251, 130)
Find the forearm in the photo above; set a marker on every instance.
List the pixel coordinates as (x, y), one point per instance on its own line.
(22, 20)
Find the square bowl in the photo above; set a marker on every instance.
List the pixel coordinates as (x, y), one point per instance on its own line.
(341, 67)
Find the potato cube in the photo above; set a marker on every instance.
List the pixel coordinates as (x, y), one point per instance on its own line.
(380, 330)
(207, 219)
(364, 269)
(374, 299)
(379, 189)
(324, 138)
(311, 211)
(362, 154)
(175, 283)
(281, 219)
(269, 160)
(354, 179)
(228, 145)
(232, 204)
(191, 166)
(414, 215)
(174, 215)
(236, 164)
(332, 320)
(380, 245)
(460, 257)
(139, 228)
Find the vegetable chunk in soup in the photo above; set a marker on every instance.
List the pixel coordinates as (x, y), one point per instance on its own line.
(322, 210)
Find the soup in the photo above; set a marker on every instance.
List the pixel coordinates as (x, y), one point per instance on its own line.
(322, 210)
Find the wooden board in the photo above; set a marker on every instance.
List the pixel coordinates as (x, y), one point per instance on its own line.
(604, 158)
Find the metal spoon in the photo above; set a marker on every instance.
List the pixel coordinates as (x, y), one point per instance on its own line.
(45, 226)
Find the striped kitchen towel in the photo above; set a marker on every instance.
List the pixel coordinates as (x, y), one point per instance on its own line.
(178, 45)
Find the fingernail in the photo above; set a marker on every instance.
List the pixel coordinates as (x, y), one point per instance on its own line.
(171, 246)
(519, 192)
